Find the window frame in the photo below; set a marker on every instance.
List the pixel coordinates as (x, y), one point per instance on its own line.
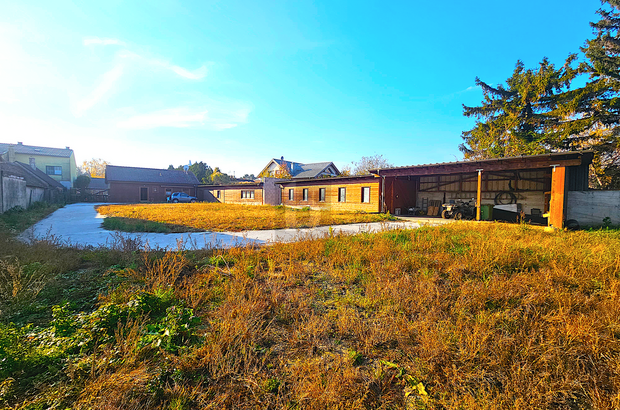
(304, 195)
(342, 194)
(55, 169)
(365, 198)
(247, 194)
(322, 194)
(291, 194)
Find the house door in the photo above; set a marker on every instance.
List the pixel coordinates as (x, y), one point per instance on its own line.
(144, 194)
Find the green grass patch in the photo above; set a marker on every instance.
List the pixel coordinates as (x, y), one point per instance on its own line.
(18, 219)
(141, 225)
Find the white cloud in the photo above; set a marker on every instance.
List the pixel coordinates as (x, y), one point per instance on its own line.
(173, 117)
(217, 119)
(125, 53)
(106, 82)
(87, 41)
(197, 74)
(224, 126)
(192, 75)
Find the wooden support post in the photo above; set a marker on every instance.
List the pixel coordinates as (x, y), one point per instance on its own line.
(558, 197)
(382, 194)
(479, 195)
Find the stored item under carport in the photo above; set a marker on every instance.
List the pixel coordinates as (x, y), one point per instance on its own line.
(486, 212)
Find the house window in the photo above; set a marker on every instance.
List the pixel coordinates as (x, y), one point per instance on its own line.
(247, 194)
(52, 170)
(218, 194)
(342, 195)
(321, 194)
(305, 194)
(32, 163)
(366, 194)
(291, 194)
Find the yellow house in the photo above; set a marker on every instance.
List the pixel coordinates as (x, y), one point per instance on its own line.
(58, 163)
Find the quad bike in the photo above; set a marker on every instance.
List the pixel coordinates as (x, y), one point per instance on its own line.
(459, 210)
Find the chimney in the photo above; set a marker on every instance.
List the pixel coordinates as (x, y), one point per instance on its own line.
(20, 143)
(282, 158)
(11, 154)
(67, 148)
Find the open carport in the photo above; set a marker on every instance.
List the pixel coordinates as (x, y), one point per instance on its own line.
(533, 185)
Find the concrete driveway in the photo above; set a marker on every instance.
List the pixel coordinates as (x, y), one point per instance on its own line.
(81, 225)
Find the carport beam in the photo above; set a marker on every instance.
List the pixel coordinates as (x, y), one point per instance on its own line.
(479, 195)
(557, 204)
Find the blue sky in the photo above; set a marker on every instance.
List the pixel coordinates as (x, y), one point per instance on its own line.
(236, 83)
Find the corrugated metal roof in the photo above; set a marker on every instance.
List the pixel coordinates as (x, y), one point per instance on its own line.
(35, 150)
(330, 180)
(243, 185)
(115, 173)
(551, 155)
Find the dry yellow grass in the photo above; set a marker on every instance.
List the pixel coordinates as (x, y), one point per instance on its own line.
(468, 316)
(230, 217)
(464, 316)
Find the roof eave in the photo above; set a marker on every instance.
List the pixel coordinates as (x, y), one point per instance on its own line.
(587, 156)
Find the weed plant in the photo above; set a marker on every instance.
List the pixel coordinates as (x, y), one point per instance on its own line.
(17, 219)
(224, 217)
(463, 316)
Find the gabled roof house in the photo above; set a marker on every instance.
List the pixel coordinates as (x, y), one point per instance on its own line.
(58, 163)
(132, 184)
(281, 168)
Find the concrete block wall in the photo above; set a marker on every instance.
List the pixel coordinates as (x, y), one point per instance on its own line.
(35, 194)
(589, 208)
(13, 193)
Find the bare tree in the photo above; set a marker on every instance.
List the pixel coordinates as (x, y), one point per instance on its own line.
(362, 166)
(95, 167)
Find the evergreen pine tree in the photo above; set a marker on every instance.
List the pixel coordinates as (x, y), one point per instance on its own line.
(593, 111)
(515, 119)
